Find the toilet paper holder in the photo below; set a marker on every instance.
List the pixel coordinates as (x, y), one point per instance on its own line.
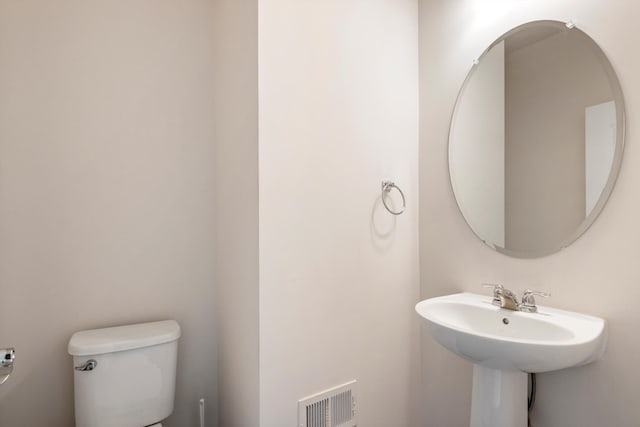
(7, 357)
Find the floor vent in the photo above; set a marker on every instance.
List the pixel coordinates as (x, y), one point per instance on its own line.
(335, 407)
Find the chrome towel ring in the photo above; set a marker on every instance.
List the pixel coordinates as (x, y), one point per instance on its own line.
(386, 188)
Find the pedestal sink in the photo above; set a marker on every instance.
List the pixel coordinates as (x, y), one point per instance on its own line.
(504, 345)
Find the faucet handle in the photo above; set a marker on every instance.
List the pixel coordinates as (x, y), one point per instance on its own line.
(496, 290)
(529, 302)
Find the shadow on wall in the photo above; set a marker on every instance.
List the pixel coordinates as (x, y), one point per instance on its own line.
(383, 224)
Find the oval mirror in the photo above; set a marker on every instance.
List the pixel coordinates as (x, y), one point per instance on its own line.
(536, 139)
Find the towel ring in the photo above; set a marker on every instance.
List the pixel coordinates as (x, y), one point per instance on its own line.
(386, 188)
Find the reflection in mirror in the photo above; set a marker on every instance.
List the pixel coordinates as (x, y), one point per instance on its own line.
(536, 139)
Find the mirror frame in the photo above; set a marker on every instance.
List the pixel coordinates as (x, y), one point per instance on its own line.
(617, 158)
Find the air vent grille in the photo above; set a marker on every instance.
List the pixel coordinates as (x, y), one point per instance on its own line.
(341, 408)
(335, 407)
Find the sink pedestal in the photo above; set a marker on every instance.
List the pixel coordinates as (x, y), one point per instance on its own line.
(499, 398)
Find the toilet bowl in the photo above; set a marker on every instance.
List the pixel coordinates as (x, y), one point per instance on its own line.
(125, 376)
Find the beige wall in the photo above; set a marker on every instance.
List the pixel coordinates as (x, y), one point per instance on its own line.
(590, 276)
(236, 189)
(338, 274)
(548, 85)
(106, 203)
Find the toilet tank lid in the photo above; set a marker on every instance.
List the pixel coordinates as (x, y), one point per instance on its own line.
(120, 338)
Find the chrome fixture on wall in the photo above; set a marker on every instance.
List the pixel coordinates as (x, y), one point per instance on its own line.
(387, 186)
(7, 356)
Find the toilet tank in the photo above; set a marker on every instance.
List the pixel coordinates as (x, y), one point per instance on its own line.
(131, 381)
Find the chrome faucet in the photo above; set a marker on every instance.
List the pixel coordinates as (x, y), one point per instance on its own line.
(504, 298)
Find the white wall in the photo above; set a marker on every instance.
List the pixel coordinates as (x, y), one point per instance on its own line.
(235, 118)
(476, 159)
(338, 275)
(106, 205)
(597, 274)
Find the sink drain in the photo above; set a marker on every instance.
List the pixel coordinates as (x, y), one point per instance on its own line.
(505, 320)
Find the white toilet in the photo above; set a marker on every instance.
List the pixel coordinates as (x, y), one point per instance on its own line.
(125, 376)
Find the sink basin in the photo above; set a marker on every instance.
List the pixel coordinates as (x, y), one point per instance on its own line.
(504, 345)
(470, 326)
